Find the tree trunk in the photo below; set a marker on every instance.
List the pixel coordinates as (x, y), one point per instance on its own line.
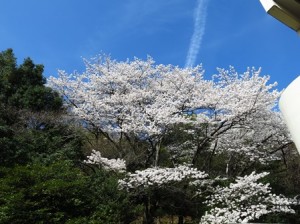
(157, 152)
(148, 217)
(180, 219)
(157, 149)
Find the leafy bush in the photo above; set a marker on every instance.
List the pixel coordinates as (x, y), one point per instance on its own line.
(61, 193)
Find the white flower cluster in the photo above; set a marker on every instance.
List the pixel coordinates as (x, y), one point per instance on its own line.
(146, 100)
(244, 201)
(183, 150)
(256, 138)
(161, 176)
(108, 164)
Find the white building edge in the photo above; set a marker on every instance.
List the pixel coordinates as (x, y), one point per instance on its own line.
(288, 12)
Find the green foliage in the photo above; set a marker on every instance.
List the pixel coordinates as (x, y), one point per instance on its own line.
(61, 193)
(39, 137)
(36, 98)
(38, 194)
(31, 126)
(112, 205)
(7, 67)
(23, 86)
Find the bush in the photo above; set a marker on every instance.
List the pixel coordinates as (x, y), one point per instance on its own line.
(61, 193)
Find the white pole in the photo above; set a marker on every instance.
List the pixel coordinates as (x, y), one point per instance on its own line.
(289, 105)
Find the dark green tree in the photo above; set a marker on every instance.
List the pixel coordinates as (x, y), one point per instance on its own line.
(31, 124)
(23, 86)
(61, 193)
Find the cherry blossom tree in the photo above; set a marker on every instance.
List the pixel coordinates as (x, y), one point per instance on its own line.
(242, 201)
(140, 101)
(129, 100)
(158, 177)
(245, 200)
(117, 165)
(162, 188)
(177, 111)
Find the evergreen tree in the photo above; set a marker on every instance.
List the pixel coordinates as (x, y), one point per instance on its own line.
(31, 124)
(24, 87)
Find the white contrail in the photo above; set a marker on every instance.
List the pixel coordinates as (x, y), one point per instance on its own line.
(199, 30)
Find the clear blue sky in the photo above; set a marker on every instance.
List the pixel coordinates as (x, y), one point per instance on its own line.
(58, 33)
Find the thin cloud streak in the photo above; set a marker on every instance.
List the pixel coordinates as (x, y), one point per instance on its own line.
(199, 30)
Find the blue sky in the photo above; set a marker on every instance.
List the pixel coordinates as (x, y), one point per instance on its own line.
(218, 33)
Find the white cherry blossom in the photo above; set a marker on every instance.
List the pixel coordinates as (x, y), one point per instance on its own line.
(245, 200)
(107, 164)
(139, 99)
(159, 177)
